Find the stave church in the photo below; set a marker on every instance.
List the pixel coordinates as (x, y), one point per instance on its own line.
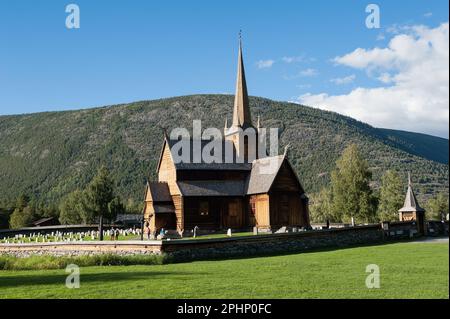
(239, 194)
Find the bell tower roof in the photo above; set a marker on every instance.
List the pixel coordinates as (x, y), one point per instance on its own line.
(241, 110)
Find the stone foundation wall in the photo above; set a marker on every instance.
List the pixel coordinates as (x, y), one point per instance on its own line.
(271, 244)
(125, 248)
(194, 249)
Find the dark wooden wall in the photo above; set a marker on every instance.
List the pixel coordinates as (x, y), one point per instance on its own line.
(223, 212)
(287, 209)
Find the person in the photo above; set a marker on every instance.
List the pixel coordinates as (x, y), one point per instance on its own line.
(112, 232)
(147, 230)
(117, 233)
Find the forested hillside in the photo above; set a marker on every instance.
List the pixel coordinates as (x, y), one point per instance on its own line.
(48, 155)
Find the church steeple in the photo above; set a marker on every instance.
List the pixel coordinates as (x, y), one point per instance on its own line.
(241, 111)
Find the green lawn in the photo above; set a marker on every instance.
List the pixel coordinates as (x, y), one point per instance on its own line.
(408, 270)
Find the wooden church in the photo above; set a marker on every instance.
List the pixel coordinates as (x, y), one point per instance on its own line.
(239, 194)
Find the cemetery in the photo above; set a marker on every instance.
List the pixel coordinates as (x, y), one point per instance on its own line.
(70, 236)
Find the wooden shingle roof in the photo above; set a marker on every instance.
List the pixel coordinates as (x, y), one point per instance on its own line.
(212, 188)
(263, 173)
(411, 204)
(158, 192)
(197, 146)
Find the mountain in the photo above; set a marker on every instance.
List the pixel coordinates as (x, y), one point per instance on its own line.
(430, 147)
(48, 155)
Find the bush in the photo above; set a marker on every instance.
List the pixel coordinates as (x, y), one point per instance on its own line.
(53, 262)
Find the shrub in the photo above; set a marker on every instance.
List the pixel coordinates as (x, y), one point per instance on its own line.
(8, 262)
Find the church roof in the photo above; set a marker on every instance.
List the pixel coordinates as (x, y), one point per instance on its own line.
(219, 164)
(259, 180)
(158, 192)
(241, 111)
(410, 204)
(212, 188)
(263, 173)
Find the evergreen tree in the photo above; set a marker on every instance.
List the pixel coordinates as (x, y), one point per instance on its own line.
(100, 199)
(351, 192)
(115, 208)
(74, 209)
(22, 201)
(21, 217)
(391, 196)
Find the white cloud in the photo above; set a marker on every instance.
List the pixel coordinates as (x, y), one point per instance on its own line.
(292, 59)
(428, 15)
(414, 74)
(380, 37)
(309, 72)
(344, 80)
(264, 64)
(303, 73)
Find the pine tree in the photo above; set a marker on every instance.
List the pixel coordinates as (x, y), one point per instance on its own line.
(100, 199)
(350, 186)
(391, 196)
(73, 209)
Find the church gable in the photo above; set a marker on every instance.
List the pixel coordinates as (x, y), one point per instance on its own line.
(286, 180)
(166, 169)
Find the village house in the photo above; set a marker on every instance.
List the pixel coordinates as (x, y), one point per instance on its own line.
(237, 194)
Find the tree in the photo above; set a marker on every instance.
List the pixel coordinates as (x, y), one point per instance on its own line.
(21, 217)
(350, 187)
(74, 209)
(116, 207)
(100, 198)
(321, 209)
(22, 201)
(391, 196)
(437, 207)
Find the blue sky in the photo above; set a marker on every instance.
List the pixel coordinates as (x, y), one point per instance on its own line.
(135, 50)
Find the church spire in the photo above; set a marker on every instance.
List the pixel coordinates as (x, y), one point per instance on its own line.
(410, 204)
(241, 111)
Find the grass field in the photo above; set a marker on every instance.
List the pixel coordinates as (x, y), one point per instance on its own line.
(408, 270)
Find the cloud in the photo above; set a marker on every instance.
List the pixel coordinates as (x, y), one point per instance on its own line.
(303, 86)
(301, 74)
(345, 80)
(380, 37)
(292, 59)
(428, 15)
(309, 72)
(264, 64)
(413, 71)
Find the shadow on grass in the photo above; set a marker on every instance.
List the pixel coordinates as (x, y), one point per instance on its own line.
(59, 277)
